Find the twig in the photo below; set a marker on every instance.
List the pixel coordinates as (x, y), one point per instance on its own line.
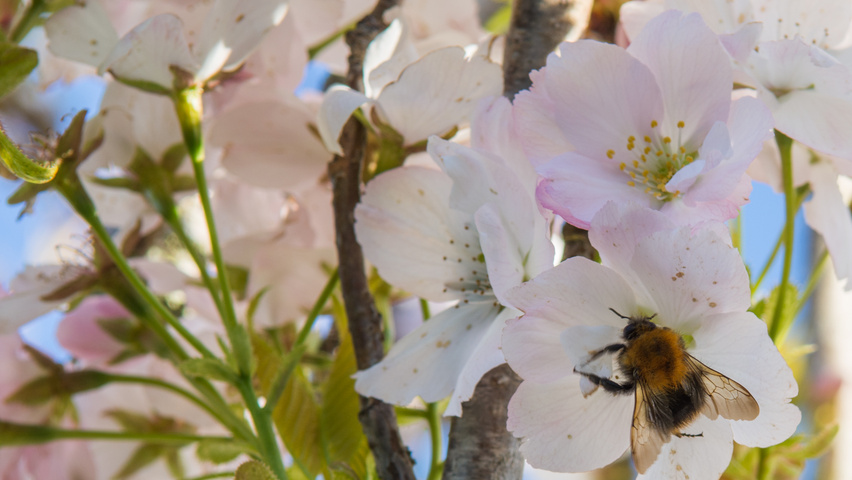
(378, 419)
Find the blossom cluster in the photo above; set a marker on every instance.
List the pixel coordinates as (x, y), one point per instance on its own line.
(202, 190)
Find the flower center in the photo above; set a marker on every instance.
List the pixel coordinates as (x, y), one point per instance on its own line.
(652, 161)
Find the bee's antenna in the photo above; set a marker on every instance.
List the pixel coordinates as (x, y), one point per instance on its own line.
(620, 315)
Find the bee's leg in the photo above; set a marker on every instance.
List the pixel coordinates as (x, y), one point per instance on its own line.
(607, 384)
(689, 435)
(615, 347)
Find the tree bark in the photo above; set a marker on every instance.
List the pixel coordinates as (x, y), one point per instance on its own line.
(537, 27)
(479, 445)
(378, 419)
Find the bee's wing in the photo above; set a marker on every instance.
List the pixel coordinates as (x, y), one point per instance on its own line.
(646, 441)
(725, 397)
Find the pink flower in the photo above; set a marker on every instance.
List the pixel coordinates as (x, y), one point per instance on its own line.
(81, 333)
(653, 124)
(693, 284)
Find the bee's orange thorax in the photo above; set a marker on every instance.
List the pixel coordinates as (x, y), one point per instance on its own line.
(657, 359)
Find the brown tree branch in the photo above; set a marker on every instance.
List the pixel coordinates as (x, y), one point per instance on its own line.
(479, 445)
(378, 419)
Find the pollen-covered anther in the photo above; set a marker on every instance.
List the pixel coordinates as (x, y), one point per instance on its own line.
(610, 154)
(681, 124)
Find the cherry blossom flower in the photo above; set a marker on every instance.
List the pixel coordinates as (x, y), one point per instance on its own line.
(693, 283)
(465, 233)
(151, 55)
(793, 65)
(653, 124)
(82, 335)
(789, 61)
(416, 96)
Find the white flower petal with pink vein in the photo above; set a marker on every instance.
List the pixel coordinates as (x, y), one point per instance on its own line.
(560, 430)
(81, 32)
(438, 92)
(586, 289)
(337, 106)
(616, 239)
(817, 120)
(683, 286)
(694, 77)
(147, 53)
(769, 380)
(601, 95)
(260, 152)
(828, 214)
(576, 187)
(535, 123)
(430, 361)
(232, 30)
(430, 244)
(694, 458)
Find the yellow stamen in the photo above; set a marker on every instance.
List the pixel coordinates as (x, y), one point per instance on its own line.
(654, 124)
(622, 166)
(635, 163)
(667, 140)
(680, 124)
(647, 139)
(631, 183)
(610, 154)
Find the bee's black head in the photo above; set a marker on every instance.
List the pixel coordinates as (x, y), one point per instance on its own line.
(638, 326)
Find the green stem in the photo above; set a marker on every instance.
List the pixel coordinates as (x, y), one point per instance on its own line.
(434, 416)
(785, 145)
(28, 21)
(155, 382)
(768, 263)
(265, 432)
(763, 469)
(314, 50)
(816, 274)
(138, 285)
(737, 233)
(171, 216)
(188, 106)
(12, 434)
(296, 353)
(412, 412)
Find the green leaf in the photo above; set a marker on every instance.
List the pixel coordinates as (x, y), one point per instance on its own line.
(16, 64)
(498, 23)
(817, 444)
(211, 368)
(24, 167)
(143, 456)
(220, 451)
(297, 417)
(45, 388)
(339, 422)
(254, 470)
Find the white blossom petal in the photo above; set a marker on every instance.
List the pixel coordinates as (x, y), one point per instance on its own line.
(81, 32)
(560, 430)
(695, 458)
(827, 213)
(337, 106)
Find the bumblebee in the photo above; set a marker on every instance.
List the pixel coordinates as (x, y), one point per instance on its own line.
(672, 387)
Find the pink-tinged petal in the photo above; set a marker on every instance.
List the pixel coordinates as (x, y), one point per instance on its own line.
(560, 430)
(337, 106)
(25, 302)
(741, 43)
(429, 362)
(408, 231)
(149, 51)
(504, 255)
(81, 32)
(818, 120)
(749, 126)
(827, 213)
(280, 61)
(618, 227)
(576, 187)
(80, 332)
(483, 357)
(260, 152)
(737, 346)
(695, 458)
(535, 123)
(633, 16)
(493, 130)
(699, 275)
(692, 69)
(438, 92)
(386, 57)
(161, 277)
(232, 30)
(601, 96)
(575, 292)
